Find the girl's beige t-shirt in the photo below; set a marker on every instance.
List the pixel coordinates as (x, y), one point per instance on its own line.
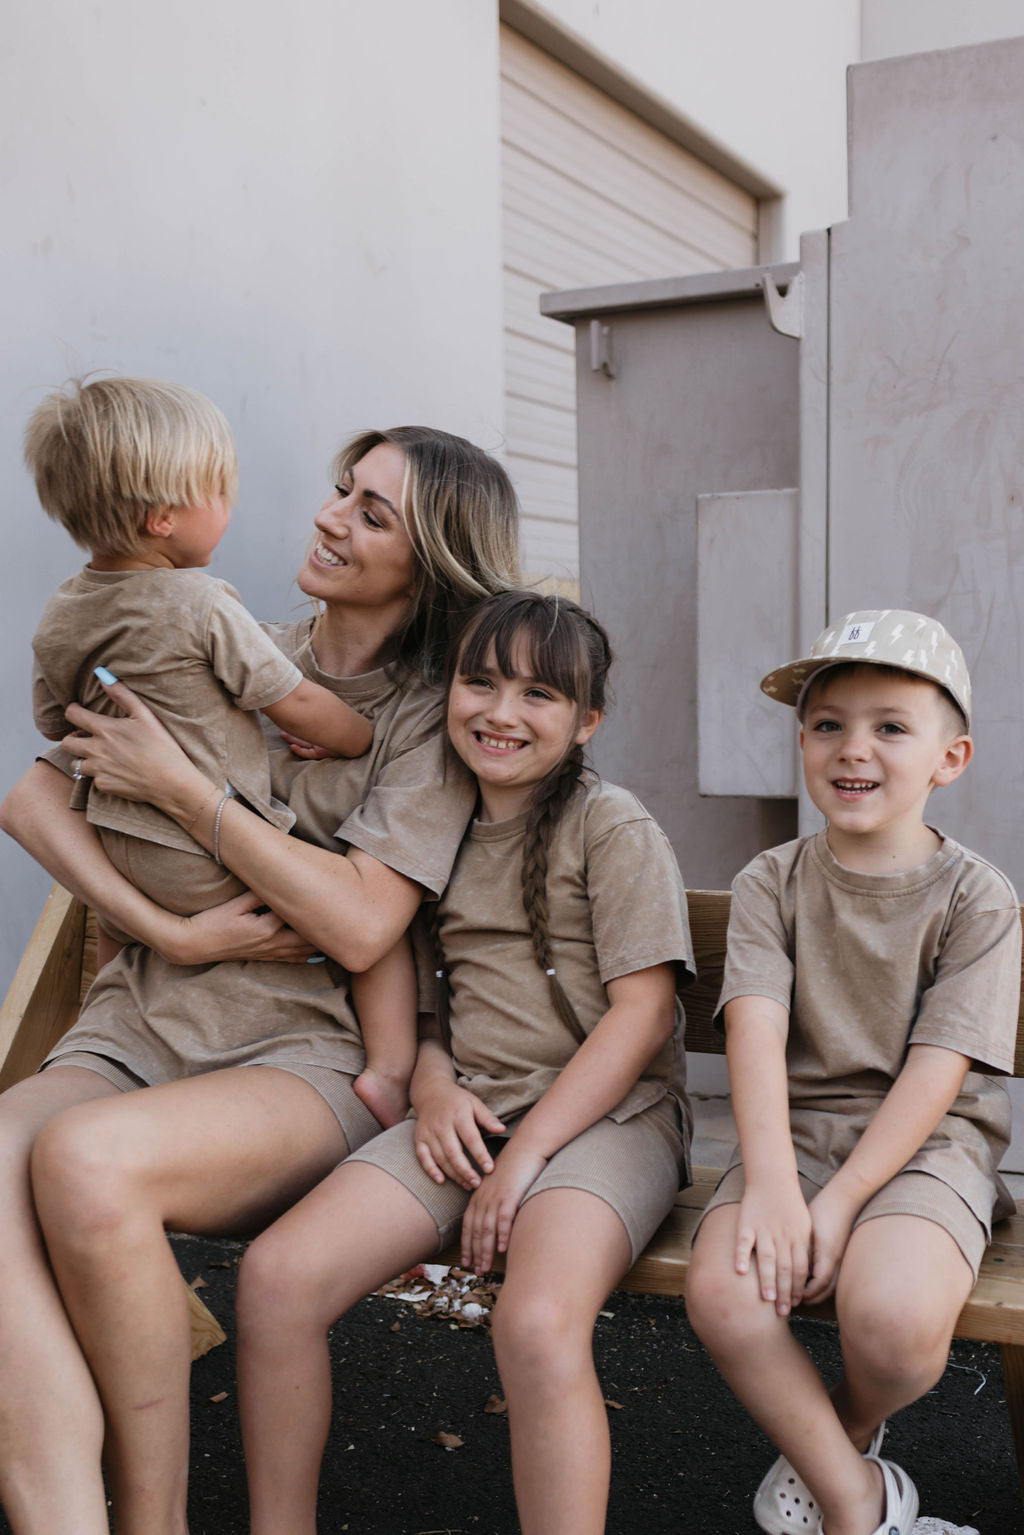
(616, 905)
(868, 965)
(407, 803)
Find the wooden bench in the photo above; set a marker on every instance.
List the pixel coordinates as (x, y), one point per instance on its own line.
(57, 969)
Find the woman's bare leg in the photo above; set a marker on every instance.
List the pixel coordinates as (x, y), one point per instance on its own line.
(357, 1228)
(51, 1422)
(568, 1250)
(227, 1151)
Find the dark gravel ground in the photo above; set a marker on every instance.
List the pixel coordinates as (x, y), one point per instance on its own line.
(686, 1458)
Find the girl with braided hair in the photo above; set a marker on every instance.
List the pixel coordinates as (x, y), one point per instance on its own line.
(552, 1119)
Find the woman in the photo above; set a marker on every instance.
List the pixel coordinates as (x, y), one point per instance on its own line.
(246, 1068)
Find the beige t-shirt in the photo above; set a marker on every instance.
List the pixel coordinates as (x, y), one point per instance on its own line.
(406, 802)
(616, 904)
(183, 641)
(867, 966)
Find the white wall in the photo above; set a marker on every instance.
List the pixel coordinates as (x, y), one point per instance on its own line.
(890, 27)
(294, 209)
(766, 81)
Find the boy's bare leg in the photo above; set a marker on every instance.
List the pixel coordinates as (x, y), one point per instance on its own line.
(902, 1284)
(356, 1229)
(567, 1252)
(51, 1421)
(775, 1380)
(215, 1153)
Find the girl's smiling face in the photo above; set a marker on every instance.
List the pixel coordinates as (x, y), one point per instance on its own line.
(874, 745)
(512, 731)
(363, 556)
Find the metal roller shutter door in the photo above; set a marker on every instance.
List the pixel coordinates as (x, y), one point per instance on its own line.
(591, 194)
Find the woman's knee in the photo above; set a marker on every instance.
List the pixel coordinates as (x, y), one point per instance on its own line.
(86, 1173)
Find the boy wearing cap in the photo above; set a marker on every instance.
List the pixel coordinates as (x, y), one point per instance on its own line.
(871, 985)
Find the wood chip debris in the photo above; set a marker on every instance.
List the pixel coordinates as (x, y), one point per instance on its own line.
(221, 1396)
(495, 1404)
(448, 1441)
(457, 1295)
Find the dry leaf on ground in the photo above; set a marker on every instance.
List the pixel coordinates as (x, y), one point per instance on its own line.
(448, 1441)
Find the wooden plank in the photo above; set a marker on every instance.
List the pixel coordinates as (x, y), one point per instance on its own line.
(42, 1001)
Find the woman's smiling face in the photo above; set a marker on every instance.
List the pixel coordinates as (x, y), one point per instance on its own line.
(364, 556)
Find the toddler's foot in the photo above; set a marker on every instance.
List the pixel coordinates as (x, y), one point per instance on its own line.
(387, 1100)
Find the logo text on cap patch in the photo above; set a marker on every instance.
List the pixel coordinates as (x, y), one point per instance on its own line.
(856, 634)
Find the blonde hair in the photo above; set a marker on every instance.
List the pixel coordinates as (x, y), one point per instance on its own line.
(462, 516)
(105, 453)
(568, 649)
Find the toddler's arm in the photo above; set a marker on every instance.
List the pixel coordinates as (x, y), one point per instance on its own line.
(774, 1223)
(925, 1090)
(315, 714)
(385, 998)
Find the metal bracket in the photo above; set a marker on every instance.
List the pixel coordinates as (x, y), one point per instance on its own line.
(601, 359)
(785, 315)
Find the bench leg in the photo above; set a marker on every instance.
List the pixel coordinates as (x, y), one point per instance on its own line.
(1013, 1379)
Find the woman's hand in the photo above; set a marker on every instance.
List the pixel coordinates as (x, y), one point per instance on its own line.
(487, 1223)
(240, 929)
(134, 756)
(449, 1144)
(775, 1226)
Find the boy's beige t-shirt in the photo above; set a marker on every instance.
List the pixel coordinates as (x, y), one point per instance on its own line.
(406, 802)
(867, 966)
(616, 904)
(183, 641)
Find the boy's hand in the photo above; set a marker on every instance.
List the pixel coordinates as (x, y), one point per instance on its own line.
(487, 1223)
(448, 1124)
(832, 1218)
(305, 749)
(775, 1225)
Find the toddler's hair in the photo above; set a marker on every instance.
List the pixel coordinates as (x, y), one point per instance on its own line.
(105, 453)
(564, 646)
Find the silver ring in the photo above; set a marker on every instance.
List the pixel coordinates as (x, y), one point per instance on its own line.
(76, 768)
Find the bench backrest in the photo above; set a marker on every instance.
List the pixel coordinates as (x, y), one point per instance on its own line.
(709, 921)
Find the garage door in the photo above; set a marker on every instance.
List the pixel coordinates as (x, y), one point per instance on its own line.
(592, 194)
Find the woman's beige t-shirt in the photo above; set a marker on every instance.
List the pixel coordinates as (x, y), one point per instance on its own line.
(867, 966)
(406, 802)
(616, 905)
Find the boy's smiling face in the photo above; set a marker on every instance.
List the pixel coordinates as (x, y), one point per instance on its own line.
(874, 745)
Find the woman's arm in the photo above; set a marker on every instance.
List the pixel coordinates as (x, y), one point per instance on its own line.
(354, 908)
(36, 813)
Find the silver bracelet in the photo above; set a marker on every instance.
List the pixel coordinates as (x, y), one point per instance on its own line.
(216, 827)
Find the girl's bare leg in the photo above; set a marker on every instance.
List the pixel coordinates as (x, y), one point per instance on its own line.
(356, 1229)
(902, 1284)
(567, 1252)
(51, 1422)
(217, 1153)
(776, 1381)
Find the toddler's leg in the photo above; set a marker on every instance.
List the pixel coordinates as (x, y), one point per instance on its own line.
(356, 1229)
(568, 1250)
(385, 1002)
(902, 1284)
(776, 1381)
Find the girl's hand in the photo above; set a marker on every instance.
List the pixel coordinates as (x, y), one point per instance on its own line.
(133, 757)
(239, 929)
(487, 1223)
(832, 1218)
(305, 749)
(775, 1226)
(448, 1124)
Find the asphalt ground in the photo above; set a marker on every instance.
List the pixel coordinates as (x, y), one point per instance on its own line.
(686, 1459)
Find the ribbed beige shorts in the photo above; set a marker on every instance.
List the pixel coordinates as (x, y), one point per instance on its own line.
(636, 1167)
(335, 1088)
(909, 1193)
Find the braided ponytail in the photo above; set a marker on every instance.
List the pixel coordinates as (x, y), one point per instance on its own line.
(569, 650)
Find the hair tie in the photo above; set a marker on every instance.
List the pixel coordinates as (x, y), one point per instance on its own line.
(439, 974)
(549, 972)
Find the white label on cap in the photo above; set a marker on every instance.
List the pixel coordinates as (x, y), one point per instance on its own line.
(856, 634)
